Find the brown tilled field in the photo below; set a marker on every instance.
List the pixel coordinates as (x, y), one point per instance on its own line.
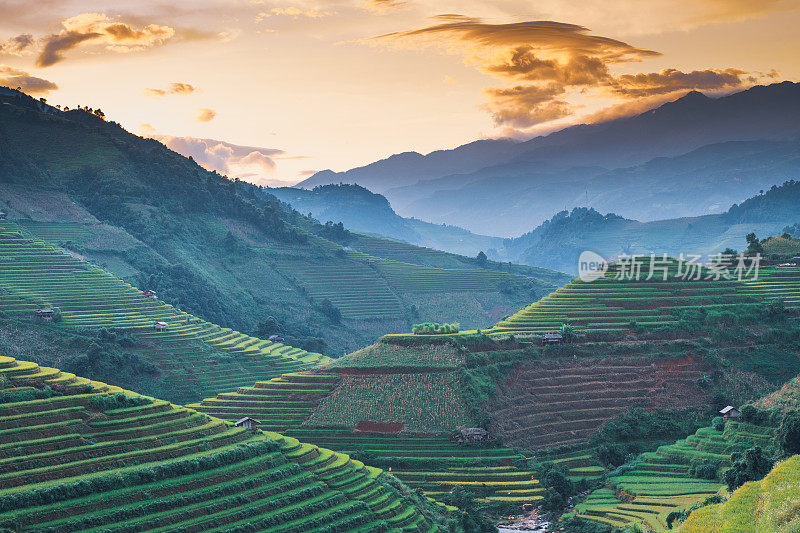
(547, 404)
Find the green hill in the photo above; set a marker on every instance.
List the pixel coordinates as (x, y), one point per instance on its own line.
(220, 249)
(772, 504)
(79, 455)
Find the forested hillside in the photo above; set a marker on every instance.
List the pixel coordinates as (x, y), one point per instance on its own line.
(220, 249)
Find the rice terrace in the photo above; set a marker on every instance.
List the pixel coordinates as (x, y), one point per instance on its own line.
(377, 265)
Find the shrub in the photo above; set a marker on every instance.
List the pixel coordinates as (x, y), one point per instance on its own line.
(751, 465)
(429, 328)
(788, 436)
(718, 423)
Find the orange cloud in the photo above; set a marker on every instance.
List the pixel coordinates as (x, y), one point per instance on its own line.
(98, 28)
(181, 89)
(554, 61)
(526, 106)
(205, 114)
(11, 77)
(671, 80)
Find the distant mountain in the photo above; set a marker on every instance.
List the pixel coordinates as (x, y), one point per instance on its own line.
(359, 209)
(558, 242)
(501, 187)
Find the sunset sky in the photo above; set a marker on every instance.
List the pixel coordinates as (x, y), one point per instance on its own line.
(271, 91)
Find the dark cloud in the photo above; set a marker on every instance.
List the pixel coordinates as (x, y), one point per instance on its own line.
(17, 45)
(525, 106)
(11, 77)
(671, 80)
(56, 45)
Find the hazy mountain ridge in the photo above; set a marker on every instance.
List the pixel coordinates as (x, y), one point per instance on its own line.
(526, 180)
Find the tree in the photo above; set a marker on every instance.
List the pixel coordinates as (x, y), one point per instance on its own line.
(327, 308)
(751, 465)
(567, 331)
(482, 259)
(788, 436)
(753, 245)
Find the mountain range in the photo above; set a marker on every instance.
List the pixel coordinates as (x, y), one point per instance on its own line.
(693, 156)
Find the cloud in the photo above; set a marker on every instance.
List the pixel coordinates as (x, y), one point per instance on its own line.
(543, 35)
(224, 157)
(383, 5)
(205, 114)
(181, 89)
(521, 63)
(100, 29)
(17, 45)
(526, 106)
(671, 80)
(294, 12)
(11, 77)
(546, 65)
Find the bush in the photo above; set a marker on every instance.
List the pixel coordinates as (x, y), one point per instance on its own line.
(751, 465)
(705, 471)
(430, 328)
(788, 436)
(718, 423)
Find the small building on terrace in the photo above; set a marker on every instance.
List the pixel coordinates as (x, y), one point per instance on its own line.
(160, 326)
(3, 215)
(552, 338)
(729, 412)
(468, 435)
(249, 423)
(45, 313)
(150, 294)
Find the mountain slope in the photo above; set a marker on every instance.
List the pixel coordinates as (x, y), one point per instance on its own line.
(221, 249)
(85, 455)
(577, 156)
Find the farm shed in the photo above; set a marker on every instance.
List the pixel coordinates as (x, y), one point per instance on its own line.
(275, 338)
(249, 423)
(729, 412)
(3, 215)
(465, 435)
(150, 294)
(45, 313)
(552, 338)
(160, 326)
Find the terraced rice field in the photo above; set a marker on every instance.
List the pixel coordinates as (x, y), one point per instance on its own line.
(579, 461)
(354, 288)
(429, 462)
(279, 404)
(550, 404)
(435, 465)
(94, 457)
(197, 358)
(405, 277)
(610, 304)
(660, 482)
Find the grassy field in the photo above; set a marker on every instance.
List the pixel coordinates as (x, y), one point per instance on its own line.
(81, 455)
(771, 505)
